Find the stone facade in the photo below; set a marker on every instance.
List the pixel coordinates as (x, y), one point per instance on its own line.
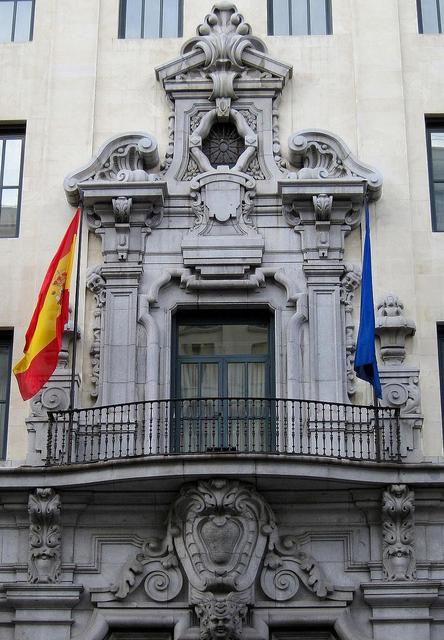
(330, 526)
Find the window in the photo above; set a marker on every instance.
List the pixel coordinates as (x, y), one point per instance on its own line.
(16, 20)
(11, 169)
(5, 380)
(435, 151)
(299, 17)
(223, 370)
(430, 16)
(150, 18)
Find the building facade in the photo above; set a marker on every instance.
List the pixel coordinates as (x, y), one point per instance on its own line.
(224, 475)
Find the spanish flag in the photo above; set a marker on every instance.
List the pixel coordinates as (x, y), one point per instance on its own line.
(44, 335)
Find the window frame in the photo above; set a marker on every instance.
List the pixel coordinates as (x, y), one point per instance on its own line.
(328, 25)
(6, 338)
(432, 123)
(122, 21)
(14, 20)
(13, 131)
(420, 20)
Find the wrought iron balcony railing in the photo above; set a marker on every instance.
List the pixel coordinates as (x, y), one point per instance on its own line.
(224, 425)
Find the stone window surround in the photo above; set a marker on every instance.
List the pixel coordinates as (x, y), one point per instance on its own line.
(14, 20)
(328, 12)
(122, 19)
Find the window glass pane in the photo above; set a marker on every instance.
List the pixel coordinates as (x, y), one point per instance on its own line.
(236, 380)
(6, 13)
(152, 19)
(11, 172)
(429, 16)
(228, 339)
(299, 17)
(281, 20)
(318, 17)
(438, 189)
(133, 19)
(22, 30)
(441, 13)
(170, 21)
(437, 140)
(8, 213)
(189, 374)
(4, 371)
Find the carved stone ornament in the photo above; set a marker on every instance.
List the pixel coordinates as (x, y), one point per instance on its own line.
(123, 158)
(221, 619)
(223, 38)
(349, 284)
(218, 532)
(393, 327)
(398, 533)
(44, 561)
(96, 284)
(318, 154)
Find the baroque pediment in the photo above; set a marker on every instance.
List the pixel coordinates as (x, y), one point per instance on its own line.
(127, 157)
(225, 55)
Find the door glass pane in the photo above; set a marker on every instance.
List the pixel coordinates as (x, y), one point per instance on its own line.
(299, 17)
(11, 172)
(429, 16)
(133, 19)
(227, 339)
(152, 19)
(6, 14)
(318, 17)
(437, 140)
(170, 20)
(281, 19)
(189, 377)
(256, 380)
(209, 380)
(22, 30)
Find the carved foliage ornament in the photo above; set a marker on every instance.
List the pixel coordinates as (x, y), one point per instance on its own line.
(96, 284)
(398, 533)
(219, 531)
(44, 536)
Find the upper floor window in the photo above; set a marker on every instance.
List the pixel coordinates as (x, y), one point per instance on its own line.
(5, 380)
(430, 16)
(16, 20)
(150, 18)
(12, 140)
(299, 17)
(435, 147)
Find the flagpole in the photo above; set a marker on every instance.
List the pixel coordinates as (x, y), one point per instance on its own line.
(76, 308)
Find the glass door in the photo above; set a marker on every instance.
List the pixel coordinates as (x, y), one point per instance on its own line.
(222, 383)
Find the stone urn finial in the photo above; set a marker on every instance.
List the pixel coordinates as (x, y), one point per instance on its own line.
(393, 328)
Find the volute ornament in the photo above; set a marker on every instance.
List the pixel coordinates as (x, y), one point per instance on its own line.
(44, 562)
(398, 533)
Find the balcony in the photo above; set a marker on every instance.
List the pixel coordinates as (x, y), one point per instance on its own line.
(220, 426)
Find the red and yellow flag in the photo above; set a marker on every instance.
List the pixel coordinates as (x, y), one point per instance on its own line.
(44, 335)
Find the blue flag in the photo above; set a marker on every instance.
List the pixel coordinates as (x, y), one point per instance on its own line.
(366, 366)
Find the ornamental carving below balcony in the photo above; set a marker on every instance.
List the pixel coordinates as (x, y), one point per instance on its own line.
(218, 533)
